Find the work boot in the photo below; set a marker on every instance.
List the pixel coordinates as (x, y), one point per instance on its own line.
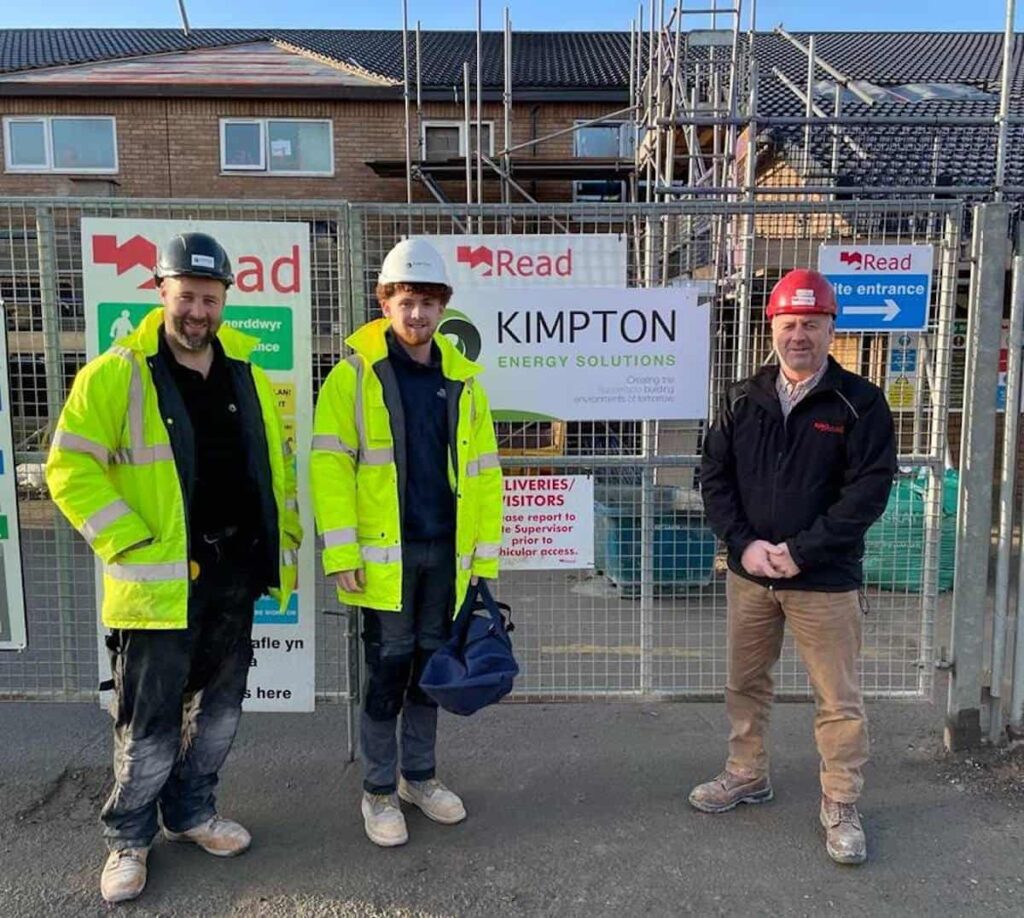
(124, 874)
(216, 836)
(434, 799)
(383, 820)
(728, 790)
(844, 836)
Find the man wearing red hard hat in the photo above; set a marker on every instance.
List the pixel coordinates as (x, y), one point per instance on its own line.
(795, 469)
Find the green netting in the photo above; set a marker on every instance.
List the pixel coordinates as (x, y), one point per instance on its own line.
(894, 546)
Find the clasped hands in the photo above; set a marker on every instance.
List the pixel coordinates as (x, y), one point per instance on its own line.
(765, 559)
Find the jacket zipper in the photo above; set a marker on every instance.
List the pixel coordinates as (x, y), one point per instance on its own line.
(779, 456)
(785, 450)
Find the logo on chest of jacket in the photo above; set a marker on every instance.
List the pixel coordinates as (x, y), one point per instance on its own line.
(825, 427)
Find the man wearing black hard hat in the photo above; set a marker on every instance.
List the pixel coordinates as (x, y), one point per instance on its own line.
(169, 458)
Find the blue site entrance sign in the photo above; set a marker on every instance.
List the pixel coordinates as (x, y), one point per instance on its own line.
(879, 287)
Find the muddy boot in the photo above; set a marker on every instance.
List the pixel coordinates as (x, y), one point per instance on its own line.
(216, 836)
(124, 874)
(434, 799)
(727, 791)
(844, 836)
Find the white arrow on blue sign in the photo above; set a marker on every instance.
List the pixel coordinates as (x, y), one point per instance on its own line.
(879, 287)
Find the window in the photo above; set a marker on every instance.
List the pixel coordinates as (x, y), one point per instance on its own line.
(277, 145)
(611, 140)
(606, 191)
(446, 139)
(60, 144)
(242, 145)
(903, 93)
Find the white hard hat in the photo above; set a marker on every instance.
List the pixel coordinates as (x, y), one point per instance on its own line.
(413, 261)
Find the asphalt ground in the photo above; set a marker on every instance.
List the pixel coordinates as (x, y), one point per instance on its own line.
(574, 809)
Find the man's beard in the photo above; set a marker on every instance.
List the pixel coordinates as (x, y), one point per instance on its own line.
(415, 337)
(197, 339)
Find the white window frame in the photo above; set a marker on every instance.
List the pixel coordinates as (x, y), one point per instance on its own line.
(264, 165)
(461, 125)
(261, 123)
(47, 123)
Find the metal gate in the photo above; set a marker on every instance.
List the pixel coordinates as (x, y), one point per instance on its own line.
(581, 635)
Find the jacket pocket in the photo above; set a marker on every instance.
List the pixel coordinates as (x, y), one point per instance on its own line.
(378, 424)
(143, 553)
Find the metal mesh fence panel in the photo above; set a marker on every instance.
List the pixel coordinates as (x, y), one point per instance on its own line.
(41, 286)
(649, 618)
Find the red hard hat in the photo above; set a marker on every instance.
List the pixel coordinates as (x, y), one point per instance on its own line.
(802, 292)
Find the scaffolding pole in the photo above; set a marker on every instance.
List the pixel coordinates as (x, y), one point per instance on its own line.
(1004, 102)
(419, 95)
(479, 104)
(469, 169)
(805, 164)
(506, 192)
(405, 99)
(746, 292)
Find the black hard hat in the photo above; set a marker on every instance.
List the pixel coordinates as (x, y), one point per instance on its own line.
(194, 255)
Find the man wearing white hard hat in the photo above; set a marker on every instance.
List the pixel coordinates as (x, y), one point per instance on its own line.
(407, 492)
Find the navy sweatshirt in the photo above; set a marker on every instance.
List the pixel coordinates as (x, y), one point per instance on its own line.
(429, 511)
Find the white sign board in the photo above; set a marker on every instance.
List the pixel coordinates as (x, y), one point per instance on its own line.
(549, 522)
(879, 287)
(270, 301)
(488, 262)
(13, 634)
(579, 354)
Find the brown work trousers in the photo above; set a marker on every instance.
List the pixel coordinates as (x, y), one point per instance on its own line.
(827, 631)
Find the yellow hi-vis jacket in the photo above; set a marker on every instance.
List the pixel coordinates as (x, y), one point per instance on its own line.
(358, 470)
(112, 472)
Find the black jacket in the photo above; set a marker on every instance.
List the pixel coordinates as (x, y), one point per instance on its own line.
(265, 561)
(816, 481)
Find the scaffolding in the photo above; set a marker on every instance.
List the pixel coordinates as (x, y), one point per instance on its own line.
(694, 104)
(700, 132)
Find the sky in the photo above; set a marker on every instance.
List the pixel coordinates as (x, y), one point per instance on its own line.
(797, 15)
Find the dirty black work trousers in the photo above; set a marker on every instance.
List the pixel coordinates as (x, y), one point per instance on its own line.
(178, 700)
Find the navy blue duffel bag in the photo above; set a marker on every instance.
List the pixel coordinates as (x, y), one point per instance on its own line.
(476, 666)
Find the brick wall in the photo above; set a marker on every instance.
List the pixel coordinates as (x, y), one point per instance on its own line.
(171, 148)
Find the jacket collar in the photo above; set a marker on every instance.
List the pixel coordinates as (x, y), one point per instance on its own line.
(145, 339)
(370, 342)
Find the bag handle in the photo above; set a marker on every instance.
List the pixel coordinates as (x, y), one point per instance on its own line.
(479, 598)
(498, 610)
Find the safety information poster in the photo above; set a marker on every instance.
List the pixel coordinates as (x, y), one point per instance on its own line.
(270, 301)
(904, 372)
